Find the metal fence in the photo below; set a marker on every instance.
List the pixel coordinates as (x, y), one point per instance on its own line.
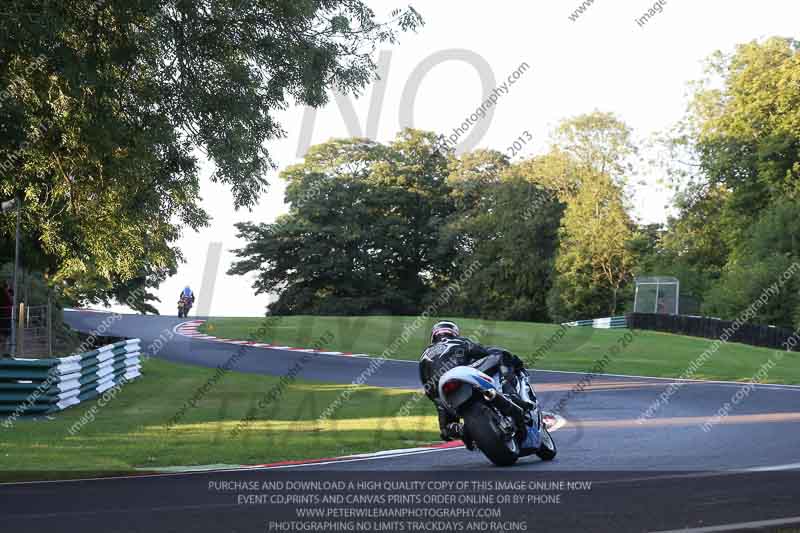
(32, 322)
(713, 328)
(34, 331)
(657, 294)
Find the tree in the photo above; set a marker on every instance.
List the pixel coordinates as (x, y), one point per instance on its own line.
(768, 258)
(598, 143)
(105, 106)
(744, 126)
(362, 233)
(594, 259)
(555, 171)
(693, 246)
(509, 225)
(737, 155)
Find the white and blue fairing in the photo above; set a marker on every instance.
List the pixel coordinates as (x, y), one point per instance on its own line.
(474, 378)
(469, 375)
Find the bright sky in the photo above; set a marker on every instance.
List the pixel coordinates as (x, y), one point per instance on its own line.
(603, 61)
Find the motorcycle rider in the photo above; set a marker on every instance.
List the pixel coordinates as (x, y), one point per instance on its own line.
(449, 349)
(188, 295)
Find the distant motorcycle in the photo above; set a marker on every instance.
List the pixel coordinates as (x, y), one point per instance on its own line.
(184, 305)
(501, 429)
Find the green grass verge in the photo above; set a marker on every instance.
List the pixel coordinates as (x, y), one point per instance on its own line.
(129, 432)
(650, 354)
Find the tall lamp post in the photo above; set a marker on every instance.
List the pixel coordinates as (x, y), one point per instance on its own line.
(6, 207)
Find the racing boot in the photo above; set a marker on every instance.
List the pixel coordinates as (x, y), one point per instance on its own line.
(452, 431)
(449, 428)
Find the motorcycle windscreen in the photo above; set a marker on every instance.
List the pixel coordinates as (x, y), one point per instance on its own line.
(460, 396)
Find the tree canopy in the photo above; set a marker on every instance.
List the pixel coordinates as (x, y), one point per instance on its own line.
(509, 225)
(106, 106)
(387, 228)
(553, 233)
(362, 232)
(741, 138)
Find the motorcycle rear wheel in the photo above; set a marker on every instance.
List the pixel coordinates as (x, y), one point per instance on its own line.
(480, 421)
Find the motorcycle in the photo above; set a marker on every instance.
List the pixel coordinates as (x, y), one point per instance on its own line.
(501, 429)
(184, 305)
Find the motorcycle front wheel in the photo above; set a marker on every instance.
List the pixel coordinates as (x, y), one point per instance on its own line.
(547, 451)
(482, 424)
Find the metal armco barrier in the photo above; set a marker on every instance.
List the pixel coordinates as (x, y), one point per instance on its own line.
(38, 386)
(600, 323)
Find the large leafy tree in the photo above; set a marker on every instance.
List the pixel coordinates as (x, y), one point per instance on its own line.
(694, 248)
(375, 228)
(742, 135)
(747, 133)
(768, 258)
(595, 257)
(106, 105)
(557, 171)
(362, 233)
(508, 224)
(734, 157)
(597, 143)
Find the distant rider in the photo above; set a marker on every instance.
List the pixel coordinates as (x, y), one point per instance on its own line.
(448, 350)
(188, 295)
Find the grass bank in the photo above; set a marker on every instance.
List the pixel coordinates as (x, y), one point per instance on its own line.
(130, 432)
(650, 354)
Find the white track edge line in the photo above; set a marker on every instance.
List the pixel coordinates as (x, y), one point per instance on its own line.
(770, 468)
(760, 524)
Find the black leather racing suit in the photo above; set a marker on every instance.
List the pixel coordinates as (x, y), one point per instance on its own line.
(191, 298)
(446, 354)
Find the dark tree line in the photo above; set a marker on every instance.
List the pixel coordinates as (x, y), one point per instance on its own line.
(385, 229)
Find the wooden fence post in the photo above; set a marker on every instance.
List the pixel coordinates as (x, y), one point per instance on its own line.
(49, 325)
(21, 331)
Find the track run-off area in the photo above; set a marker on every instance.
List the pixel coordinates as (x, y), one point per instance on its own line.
(741, 473)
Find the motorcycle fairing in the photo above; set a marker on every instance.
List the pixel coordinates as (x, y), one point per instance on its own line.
(468, 375)
(533, 439)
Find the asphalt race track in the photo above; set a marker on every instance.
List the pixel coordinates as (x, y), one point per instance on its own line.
(663, 474)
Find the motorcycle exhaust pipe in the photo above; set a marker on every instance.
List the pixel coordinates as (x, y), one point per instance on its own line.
(505, 406)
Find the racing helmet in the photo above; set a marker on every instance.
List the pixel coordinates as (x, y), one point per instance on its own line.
(444, 329)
